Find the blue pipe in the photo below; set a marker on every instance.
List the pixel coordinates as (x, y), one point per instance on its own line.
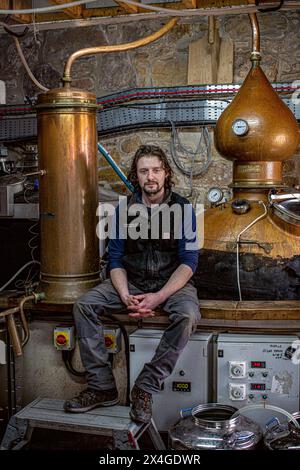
(115, 167)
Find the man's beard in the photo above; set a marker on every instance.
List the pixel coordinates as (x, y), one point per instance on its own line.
(156, 189)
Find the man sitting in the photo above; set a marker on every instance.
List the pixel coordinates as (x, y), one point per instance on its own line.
(146, 272)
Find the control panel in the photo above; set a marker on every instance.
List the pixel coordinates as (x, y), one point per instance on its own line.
(257, 369)
(188, 385)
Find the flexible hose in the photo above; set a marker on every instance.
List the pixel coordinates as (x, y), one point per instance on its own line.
(24, 62)
(238, 243)
(21, 55)
(67, 359)
(115, 167)
(126, 342)
(17, 273)
(268, 407)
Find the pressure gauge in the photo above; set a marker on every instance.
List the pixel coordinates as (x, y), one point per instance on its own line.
(240, 127)
(215, 195)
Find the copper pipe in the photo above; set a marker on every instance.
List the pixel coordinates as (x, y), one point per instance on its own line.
(9, 312)
(23, 318)
(12, 329)
(13, 333)
(11, 324)
(116, 48)
(255, 36)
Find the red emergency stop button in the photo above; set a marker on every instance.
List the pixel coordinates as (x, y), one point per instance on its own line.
(61, 340)
(108, 342)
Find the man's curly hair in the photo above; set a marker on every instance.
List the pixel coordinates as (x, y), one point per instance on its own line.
(150, 151)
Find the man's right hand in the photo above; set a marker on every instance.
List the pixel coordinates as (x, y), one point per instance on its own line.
(129, 299)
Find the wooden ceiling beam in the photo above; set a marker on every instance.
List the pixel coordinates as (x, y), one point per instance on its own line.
(72, 12)
(20, 5)
(189, 4)
(127, 7)
(121, 9)
(4, 4)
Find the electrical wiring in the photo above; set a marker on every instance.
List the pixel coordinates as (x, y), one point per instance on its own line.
(204, 140)
(17, 273)
(22, 57)
(27, 283)
(24, 62)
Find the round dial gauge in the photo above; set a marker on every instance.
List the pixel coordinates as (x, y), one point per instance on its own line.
(240, 127)
(215, 195)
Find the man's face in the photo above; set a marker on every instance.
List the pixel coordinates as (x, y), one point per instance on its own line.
(151, 174)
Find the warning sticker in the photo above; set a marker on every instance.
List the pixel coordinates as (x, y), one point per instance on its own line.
(282, 383)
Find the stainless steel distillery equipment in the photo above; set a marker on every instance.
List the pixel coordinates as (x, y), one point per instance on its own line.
(211, 427)
(282, 436)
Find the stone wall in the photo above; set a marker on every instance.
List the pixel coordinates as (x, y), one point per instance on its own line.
(163, 63)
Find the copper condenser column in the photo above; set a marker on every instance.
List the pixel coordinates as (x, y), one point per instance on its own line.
(67, 139)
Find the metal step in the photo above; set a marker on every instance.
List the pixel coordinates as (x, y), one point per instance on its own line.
(49, 414)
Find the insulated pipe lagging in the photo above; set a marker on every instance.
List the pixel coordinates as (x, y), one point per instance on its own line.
(116, 48)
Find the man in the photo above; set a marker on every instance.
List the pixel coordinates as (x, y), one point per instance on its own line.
(146, 272)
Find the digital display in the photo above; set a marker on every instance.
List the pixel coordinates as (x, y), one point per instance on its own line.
(258, 386)
(258, 364)
(181, 386)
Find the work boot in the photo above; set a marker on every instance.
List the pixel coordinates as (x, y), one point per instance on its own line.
(91, 398)
(141, 407)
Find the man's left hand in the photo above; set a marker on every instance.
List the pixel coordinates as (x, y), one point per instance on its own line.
(146, 306)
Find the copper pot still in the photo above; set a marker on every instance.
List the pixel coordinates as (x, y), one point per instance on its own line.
(67, 145)
(254, 254)
(257, 125)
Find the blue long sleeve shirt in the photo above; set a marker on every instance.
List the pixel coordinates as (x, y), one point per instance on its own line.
(187, 244)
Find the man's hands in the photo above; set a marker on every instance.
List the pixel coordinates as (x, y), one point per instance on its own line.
(143, 305)
(128, 299)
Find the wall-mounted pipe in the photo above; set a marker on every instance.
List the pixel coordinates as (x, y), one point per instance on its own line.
(115, 167)
(115, 48)
(12, 330)
(11, 324)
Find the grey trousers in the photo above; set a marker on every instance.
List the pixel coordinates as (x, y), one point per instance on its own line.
(183, 310)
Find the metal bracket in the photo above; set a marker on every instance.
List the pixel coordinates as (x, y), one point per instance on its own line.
(122, 441)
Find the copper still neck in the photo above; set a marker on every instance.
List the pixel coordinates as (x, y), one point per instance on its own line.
(257, 174)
